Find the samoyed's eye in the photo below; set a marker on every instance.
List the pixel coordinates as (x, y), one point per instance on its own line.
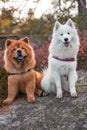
(61, 34)
(68, 33)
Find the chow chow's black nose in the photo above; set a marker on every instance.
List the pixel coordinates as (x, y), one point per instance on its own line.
(66, 39)
(19, 52)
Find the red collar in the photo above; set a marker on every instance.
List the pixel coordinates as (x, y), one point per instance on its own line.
(20, 72)
(66, 59)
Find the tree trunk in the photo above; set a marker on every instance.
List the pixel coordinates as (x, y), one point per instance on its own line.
(82, 14)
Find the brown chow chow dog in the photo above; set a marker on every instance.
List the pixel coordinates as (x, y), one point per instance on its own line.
(19, 62)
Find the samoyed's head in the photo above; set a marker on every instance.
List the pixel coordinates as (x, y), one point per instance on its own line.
(66, 34)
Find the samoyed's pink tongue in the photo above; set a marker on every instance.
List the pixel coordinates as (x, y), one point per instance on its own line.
(66, 44)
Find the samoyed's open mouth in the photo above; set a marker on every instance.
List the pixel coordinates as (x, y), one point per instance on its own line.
(66, 44)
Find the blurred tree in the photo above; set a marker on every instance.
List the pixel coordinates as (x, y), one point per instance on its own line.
(7, 21)
(63, 9)
(82, 14)
(38, 28)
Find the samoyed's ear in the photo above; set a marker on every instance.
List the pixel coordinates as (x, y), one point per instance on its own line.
(70, 23)
(56, 26)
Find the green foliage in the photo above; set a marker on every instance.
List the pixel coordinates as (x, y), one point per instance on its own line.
(7, 21)
(38, 28)
(41, 28)
(82, 21)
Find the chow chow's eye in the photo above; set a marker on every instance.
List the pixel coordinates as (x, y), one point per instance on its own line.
(22, 47)
(14, 49)
(68, 33)
(61, 34)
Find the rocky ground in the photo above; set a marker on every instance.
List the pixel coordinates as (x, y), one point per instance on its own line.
(47, 113)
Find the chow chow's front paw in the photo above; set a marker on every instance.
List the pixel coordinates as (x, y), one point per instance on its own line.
(31, 99)
(7, 101)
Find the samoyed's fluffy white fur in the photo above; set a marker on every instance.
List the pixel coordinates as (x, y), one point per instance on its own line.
(61, 73)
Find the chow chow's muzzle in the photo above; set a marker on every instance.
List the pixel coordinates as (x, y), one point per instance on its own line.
(19, 56)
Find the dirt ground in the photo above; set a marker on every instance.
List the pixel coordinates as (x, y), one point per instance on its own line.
(47, 113)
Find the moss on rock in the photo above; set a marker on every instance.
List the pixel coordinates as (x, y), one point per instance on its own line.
(3, 85)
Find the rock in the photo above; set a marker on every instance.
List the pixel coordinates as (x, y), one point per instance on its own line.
(48, 113)
(82, 77)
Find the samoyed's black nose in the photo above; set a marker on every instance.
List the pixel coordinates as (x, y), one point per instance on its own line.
(66, 39)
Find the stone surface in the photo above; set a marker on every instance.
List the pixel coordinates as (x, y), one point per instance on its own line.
(82, 77)
(47, 113)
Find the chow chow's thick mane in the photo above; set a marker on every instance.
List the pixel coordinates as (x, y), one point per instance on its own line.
(13, 63)
(18, 42)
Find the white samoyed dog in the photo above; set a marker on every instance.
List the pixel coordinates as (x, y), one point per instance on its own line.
(62, 61)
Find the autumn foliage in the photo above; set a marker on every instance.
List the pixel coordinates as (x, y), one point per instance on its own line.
(82, 55)
(41, 55)
(41, 52)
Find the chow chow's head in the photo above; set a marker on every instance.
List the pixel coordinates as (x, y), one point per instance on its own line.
(19, 55)
(66, 34)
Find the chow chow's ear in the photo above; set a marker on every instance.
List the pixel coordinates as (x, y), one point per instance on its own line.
(70, 23)
(8, 43)
(56, 26)
(26, 39)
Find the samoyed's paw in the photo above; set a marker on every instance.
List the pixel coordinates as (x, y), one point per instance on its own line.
(44, 94)
(59, 95)
(74, 94)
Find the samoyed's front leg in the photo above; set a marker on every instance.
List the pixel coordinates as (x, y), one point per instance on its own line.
(57, 79)
(72, 82)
